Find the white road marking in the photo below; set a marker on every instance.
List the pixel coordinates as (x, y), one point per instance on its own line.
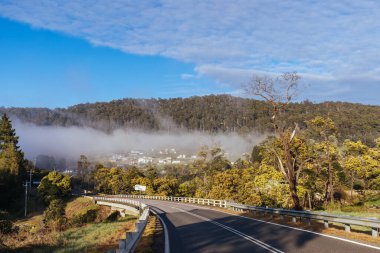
(245, 236)
(166, 232)
(281, 225)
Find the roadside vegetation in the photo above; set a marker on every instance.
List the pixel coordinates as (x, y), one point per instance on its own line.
(152, 240)
(304, 166)
(81, 226)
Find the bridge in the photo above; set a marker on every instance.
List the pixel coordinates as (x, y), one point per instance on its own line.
(198, 229)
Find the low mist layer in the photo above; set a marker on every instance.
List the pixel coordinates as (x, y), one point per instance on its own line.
(73, 141)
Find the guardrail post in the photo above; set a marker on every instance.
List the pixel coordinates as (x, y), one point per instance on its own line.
(128, 236)
(294, 219)
(326, 223)
(347, 227)
(122, 244)
(375, 232)
(308, 221)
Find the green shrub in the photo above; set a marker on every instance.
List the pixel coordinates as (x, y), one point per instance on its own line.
(85, 217)
(373, 196)
(55, 186)
(59, 224)
(6, 227)
(55, 210)
(114, 216)
(373, 203)
(356, 208)
(333, 206)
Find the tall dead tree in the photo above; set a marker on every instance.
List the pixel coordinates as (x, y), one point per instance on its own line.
(279, 92)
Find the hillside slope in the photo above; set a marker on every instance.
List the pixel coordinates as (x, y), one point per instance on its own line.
(214, 113)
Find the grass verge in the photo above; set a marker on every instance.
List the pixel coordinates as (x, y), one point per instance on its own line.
(98, 235)
(152, 239)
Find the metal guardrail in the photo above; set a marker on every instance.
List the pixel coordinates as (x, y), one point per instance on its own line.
(200, 201)
(347, 221)
(128, 245)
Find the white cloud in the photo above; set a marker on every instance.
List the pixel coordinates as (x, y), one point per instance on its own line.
(187, 76)
(330, 42)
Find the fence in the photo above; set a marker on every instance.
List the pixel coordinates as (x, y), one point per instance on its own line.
(347, 221)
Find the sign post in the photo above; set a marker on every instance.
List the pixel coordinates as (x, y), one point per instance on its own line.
(140, 188)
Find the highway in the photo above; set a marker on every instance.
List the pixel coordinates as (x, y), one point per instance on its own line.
(195, 229)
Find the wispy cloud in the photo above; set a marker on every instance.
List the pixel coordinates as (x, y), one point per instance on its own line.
(330, 42)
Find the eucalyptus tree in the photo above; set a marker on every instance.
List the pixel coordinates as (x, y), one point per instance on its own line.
(363, 164)
(279, 92)
(326, 146)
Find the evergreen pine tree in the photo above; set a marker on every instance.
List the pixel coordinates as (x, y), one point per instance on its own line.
(7, 133)
(11, 164)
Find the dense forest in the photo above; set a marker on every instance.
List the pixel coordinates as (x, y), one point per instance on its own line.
(214, 113)
(295, 168)
(331, 176)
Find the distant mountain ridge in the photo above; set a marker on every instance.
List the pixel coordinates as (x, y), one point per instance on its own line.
(213, 113)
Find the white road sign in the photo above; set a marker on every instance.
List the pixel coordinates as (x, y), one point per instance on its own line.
(140, 187)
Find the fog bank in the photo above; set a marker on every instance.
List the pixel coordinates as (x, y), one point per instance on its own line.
(71, 142)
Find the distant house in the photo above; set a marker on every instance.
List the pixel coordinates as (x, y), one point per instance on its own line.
(144, 160)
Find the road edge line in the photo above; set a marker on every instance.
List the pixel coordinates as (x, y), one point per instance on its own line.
(166, 233)
(286, 226)
(234, 231)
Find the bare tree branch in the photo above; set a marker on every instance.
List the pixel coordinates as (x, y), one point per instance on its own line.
(279, 92)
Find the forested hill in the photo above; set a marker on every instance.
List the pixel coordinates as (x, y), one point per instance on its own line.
(208, 113)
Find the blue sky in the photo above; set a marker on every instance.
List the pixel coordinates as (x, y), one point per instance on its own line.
(41, 68)
(59, 53)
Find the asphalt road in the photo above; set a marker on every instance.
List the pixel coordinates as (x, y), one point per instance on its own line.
(197, 229)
